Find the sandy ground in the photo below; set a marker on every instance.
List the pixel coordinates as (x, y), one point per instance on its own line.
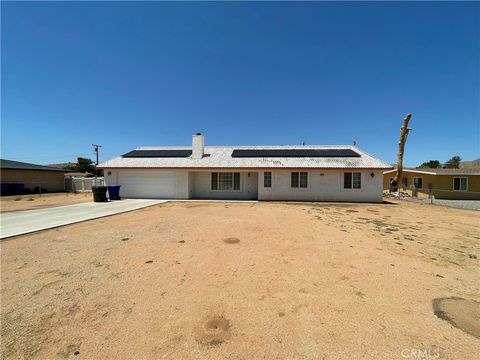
(292, 281)
(31, 202)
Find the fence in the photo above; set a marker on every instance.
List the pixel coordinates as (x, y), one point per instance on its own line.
(452, 194)
(82, 184)
(440, 194)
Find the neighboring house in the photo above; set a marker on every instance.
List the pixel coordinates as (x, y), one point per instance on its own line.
(444, 183)
(303, 173)
(19, 177)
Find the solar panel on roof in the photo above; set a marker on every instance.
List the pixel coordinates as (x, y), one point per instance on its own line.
(254, 153)
(157, 153)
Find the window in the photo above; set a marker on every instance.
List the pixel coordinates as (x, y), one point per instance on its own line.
(225, 181)
(267, 179)
(352, 180)
(236, 181)
(299, 180)
(418, 182)
(303, 180)
(460, 184)
(357, 180)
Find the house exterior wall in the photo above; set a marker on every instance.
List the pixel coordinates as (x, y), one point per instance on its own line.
(442, 185)
(427, 179)
(52, 181)
(323, 185)
(181, 180)
(248, 186)
(191, 177)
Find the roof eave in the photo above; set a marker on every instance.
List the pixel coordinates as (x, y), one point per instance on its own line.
(241, 168)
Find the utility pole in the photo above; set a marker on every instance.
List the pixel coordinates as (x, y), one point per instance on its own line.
(95, 146)
(96, 150)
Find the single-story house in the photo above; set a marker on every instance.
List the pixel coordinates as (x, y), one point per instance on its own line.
(303, 173)
(19, 178)
(459, 184)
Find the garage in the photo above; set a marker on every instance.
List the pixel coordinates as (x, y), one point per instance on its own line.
(147, 185)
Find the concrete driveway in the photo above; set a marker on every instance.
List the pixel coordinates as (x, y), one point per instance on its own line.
(24, 222)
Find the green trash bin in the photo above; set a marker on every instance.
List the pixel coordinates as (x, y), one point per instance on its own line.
(99, 193)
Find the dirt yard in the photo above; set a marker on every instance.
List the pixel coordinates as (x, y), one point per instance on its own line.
(31, 202)
(199, 280)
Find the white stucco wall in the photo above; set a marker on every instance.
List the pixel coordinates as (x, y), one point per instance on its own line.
(190, 184)
(323, 185)
(202, 187)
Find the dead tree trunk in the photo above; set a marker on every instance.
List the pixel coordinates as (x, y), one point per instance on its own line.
(401, 147)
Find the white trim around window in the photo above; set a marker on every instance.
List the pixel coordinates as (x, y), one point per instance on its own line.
(267, 179)
(299, 180)
(352, 180)
(462, 184)
(225, 181)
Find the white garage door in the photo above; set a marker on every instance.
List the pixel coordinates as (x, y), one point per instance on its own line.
(147, 185)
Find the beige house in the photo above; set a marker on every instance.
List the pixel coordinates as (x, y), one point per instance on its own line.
(459, 184)
(19, 178)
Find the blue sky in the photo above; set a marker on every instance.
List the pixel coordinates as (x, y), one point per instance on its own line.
(124, 74)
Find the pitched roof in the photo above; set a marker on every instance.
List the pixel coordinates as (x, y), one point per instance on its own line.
(17, 165)
(221, 157)
(440, 171)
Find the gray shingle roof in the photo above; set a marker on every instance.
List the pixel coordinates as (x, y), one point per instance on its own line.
(17, 165)
(220, 157)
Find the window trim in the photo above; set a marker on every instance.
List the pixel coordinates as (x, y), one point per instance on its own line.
(351, 183)
(299, 187)
(233, 181)
(271, 180)
(413, 182)
(460, 177)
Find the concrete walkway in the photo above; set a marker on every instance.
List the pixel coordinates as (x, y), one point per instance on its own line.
(24, 222)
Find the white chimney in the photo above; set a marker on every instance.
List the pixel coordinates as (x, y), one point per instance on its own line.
(198, 145)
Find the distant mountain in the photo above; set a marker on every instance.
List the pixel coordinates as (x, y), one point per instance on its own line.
(470, 164)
